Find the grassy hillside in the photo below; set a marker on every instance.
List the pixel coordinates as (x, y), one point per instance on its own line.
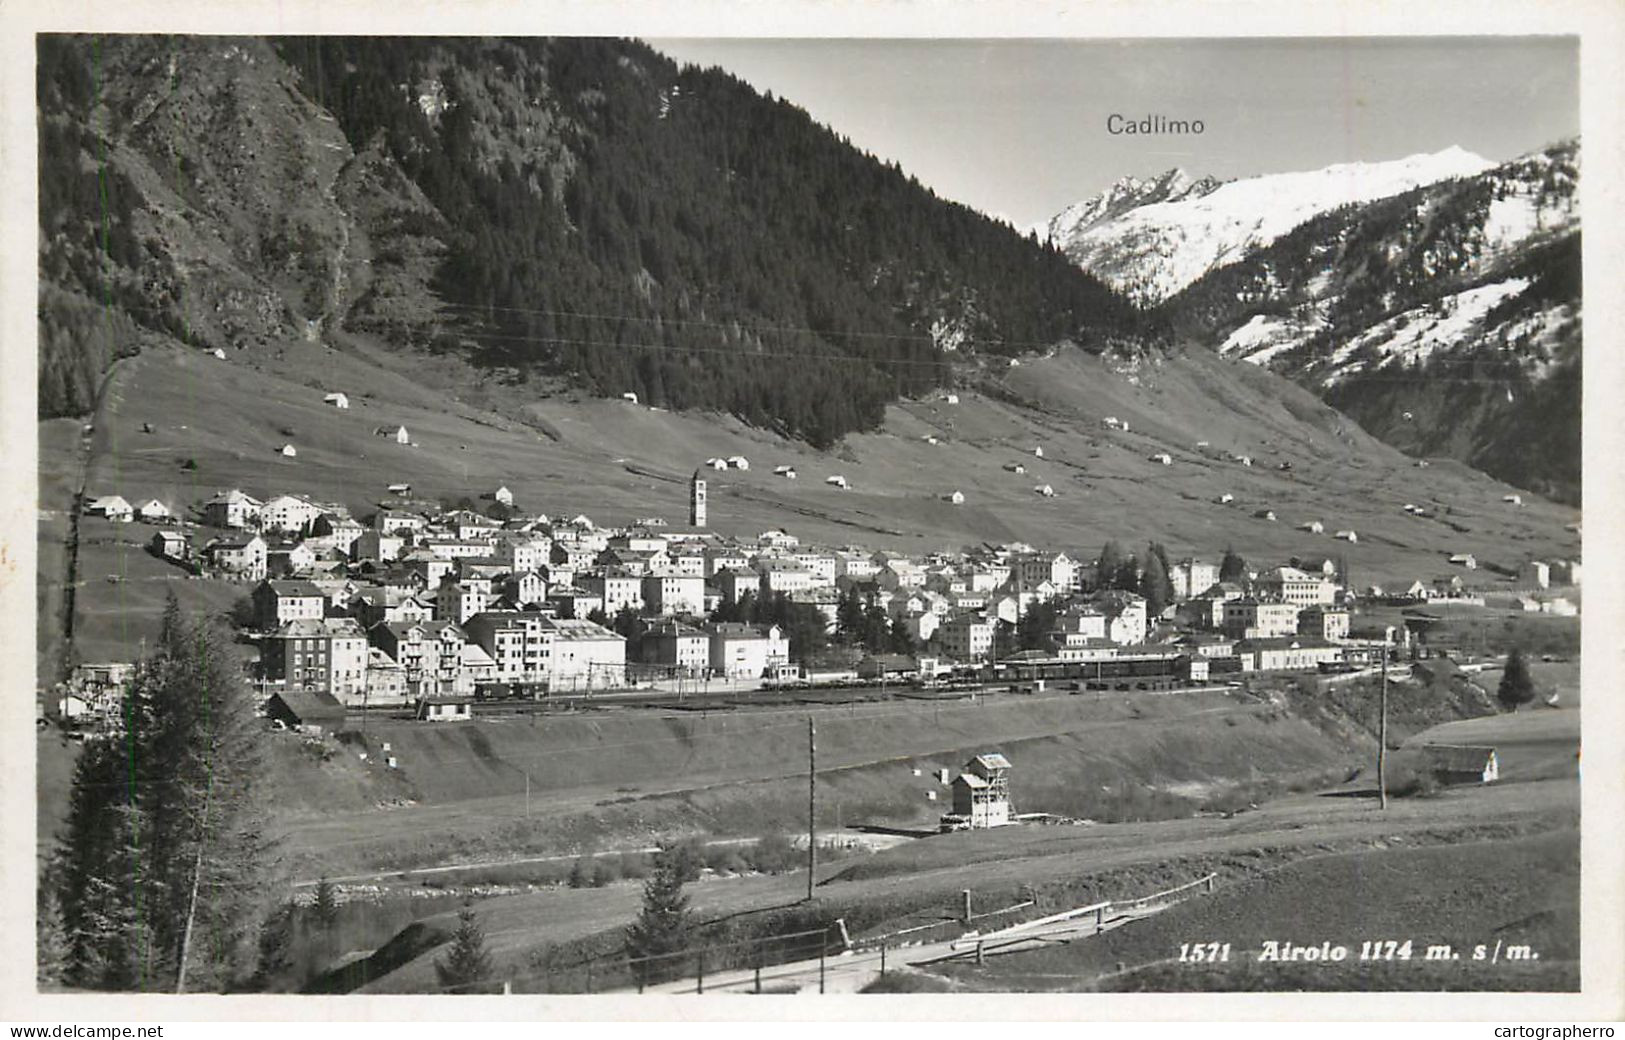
(1507, 892)
(623, 779)
(616, 461)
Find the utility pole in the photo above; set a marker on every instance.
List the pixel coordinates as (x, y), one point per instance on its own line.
(1382, 734)
(812, 803)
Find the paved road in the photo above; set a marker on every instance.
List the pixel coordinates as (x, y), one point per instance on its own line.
(851, 972)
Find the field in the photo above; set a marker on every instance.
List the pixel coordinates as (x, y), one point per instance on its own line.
(1514, 889)
(1329, 843)
(618, 780)
(1511, 891)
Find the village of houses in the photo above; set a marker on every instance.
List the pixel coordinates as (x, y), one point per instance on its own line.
(421, 608)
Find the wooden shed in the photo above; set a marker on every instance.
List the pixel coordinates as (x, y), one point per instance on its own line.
(307, 710)
(1462, 763)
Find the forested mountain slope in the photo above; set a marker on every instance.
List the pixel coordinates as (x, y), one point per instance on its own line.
(566, 212)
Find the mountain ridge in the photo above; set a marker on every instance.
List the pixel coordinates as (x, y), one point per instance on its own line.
(1150, 251)
(1445, 319)
(566, 212)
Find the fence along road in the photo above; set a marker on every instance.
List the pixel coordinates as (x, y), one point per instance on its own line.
(850, 971)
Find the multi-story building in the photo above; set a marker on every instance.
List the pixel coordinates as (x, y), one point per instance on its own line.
(243, 558)
(336, 530)
(820, 565)
(430, 653)
(617, 589)
(1126, 620)
(966, 638)
(1324, 623)
(586, 656)
(279, 602)
(1033, 569)
(455, 601)
(524, 588)
(719, 560)
(519, 643)
(734, 584)
(377, 545)
(740, 651)
(1291, 585)
(1535, 574)
(782, 575)
(284, 560)
(456, 548)
(231, 509)
(675, 645)
(1285, 653)
(855, 565)
(522, 554)
(329, 656)
(1206, 609)
(395, 521)
(1191, 577)
(1251, 618)
(674, 594)
(288, 513)
(375, 605)
(569, 602)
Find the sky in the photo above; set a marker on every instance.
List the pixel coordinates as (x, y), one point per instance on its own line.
(1017, 128)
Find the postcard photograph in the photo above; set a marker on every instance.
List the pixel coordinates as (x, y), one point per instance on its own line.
(729, 516)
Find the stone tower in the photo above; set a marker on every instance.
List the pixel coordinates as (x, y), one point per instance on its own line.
(696, 501)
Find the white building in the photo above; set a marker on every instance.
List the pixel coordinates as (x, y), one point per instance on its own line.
(113, 507)
(672, 593)
(231, 509)
(288, 513)
(586, 656)
(1250, 618)
(740, 651)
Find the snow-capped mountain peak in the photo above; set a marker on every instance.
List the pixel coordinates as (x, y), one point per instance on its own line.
(1152, 238)
(1125, 194)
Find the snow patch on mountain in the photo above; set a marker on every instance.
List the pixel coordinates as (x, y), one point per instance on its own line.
(1125, 194)
(1152, 249)
(1513, 220)
(1418, 334)
(1265, 336)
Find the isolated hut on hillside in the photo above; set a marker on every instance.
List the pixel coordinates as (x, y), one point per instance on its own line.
(1462, 763)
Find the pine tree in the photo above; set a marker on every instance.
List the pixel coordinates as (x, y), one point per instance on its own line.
(1128, 575)
(1517, 686)
(876, 628)
(1232, 567)
(1155, 585)
(466, 964)
(164, 860)
(663, 926)
(324, 907)
(849, 616)
(50, 937)
(1107, 567)
(275, 947)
